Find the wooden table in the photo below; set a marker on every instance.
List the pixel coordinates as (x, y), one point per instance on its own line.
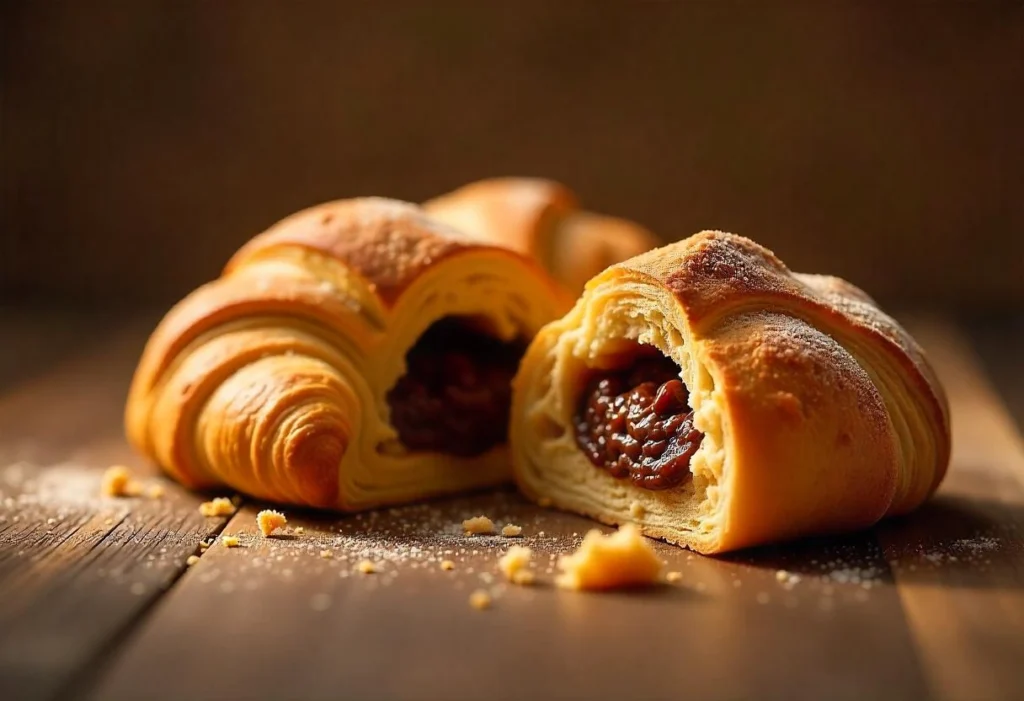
(97, 602)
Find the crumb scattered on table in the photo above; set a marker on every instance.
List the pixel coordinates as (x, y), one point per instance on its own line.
(155, 491)
(478, 525)
(326, 554)
(220, 506)
(514, 562)
(622, 559)
(512, 531)
(118, 482)
(192, 559)
(447, 565)
(366, 567)
(480, 600)
(269, 521)
(229, 541)
(673, 577)
(300, 530)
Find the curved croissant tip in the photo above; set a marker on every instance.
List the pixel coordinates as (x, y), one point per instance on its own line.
(315, 451)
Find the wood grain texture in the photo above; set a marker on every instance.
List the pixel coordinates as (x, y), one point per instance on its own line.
(76, 568)
(959, 562)
(99, 604)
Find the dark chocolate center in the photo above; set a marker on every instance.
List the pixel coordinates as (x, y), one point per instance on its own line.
(636, 423)
(454, 397)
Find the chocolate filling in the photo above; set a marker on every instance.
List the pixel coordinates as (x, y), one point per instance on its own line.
(636, 423)
(455, 395)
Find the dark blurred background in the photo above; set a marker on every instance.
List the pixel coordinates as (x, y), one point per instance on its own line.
(142, 142)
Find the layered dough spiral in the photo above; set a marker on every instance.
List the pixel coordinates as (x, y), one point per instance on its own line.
(809, 410)
(542, 219)
(281, 378)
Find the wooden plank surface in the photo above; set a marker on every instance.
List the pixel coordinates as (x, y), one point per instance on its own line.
(98, 603)
(76, 569)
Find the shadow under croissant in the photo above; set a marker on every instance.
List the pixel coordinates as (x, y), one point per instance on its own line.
(951, 541)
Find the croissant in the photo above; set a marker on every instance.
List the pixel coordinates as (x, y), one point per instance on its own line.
(542, 219)
(354, 355)
(718, 400)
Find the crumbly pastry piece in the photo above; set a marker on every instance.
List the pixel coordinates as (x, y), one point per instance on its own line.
(478, 525)
(218, 506)
(480, 600)
(117, 481)
(718, 400)
(230, 541)
(355, 355)
(510, 530)
(515, 562)
(269, 521)
(543, 220)
(620, 560)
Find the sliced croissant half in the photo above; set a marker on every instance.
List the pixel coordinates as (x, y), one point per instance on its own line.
(542, 219)
(718, 400)
(357, 354)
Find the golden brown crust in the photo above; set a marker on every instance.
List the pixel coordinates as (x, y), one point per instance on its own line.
(542, 219)
(820, 413)
(260, 378)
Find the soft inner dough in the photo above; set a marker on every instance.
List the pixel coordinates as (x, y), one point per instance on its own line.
(595, 335)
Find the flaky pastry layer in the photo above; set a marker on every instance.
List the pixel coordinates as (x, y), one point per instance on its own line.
(272, 380)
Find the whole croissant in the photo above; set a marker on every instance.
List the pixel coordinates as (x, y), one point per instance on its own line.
(707, 393)
(358, 353)
(542, 219)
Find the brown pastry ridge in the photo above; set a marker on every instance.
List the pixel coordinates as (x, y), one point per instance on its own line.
(542, 219)
(278, 379)
(816, 411)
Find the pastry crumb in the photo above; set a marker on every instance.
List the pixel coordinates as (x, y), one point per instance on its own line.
(673, 577)
(155, 491)
(515, 562)
(512, 531)
(480, 600)
(220, 506)
(192, 559)
(524, 578)
(447, 565)
(118, 482)
(366, 567)
(269, 521)
(478, 525)
(299, 530)
(781, 575)
(229, 541)
(326, 554)
(622, 559)
(637, 510)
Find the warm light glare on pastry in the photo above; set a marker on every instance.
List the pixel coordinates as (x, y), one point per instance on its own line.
(542, 219)
(717, 400)
(357, 354)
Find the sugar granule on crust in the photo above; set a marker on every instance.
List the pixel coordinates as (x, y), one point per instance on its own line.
(366, 567)
(515, 562)
(480, 600)
(229, 541)
(622, 559)
(512, 531)
(478, 525)
(220, 506)
(269, 521)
